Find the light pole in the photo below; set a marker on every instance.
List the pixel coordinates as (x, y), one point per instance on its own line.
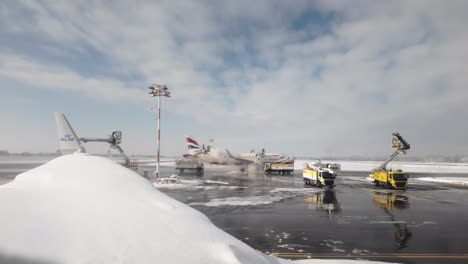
(158, 90)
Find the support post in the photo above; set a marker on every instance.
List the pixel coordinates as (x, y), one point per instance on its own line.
(159, 138)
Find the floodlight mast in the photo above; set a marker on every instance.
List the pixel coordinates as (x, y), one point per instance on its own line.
(158, 90)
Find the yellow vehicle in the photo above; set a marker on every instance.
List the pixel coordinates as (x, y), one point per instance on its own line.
(320, 174)
(281, 168)
(189, 165)
(392, 179)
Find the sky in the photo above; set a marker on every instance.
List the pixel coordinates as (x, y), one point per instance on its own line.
(306, 78)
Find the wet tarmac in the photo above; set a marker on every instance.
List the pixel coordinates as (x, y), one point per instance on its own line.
(276, 215)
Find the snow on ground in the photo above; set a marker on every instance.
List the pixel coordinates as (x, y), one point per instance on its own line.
(195, 184)
(448, 180)
(296, 190)
(244, 201)
(275, 195)
(86, 209)
(427, 167)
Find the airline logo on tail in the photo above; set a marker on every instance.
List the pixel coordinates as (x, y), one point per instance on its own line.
(193, 146)
(69, 141)
(67, 137)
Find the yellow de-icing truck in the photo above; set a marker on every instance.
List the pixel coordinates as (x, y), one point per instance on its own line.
(396, 179)
(280, 167)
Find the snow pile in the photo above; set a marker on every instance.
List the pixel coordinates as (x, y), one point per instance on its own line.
(448, 180)
(405, 166)
(87, 209)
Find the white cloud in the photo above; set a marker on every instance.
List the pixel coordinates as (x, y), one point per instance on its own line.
(377, 67)
(14, 67)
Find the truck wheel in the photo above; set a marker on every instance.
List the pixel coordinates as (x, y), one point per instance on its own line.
(376, 183)
(388, 185)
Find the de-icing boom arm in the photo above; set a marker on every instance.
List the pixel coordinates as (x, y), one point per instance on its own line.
(400, 144)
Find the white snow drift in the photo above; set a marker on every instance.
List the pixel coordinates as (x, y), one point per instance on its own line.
(447, 180)
(424, 167)
(87, 209)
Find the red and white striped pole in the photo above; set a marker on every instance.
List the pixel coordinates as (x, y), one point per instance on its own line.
(159, 137)
(159, 90)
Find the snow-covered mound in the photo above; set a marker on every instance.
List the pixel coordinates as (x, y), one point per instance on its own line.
(448, 180)
(423, 167)
(87, 209)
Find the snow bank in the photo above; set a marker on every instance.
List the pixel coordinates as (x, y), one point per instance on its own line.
(448, 180)
(405, 166)
(87, 209)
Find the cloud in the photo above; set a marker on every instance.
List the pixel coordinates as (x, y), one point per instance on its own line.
(336, 75)
(17, 68)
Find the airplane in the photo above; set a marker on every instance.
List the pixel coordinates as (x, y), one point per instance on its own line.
(210, 154)
(71, 143)
(207, 154)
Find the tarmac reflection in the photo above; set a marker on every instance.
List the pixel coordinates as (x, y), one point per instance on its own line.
(390, 201)
(324, 201)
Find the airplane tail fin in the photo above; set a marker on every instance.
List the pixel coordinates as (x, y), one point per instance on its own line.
(193, 146)
(69, 141)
